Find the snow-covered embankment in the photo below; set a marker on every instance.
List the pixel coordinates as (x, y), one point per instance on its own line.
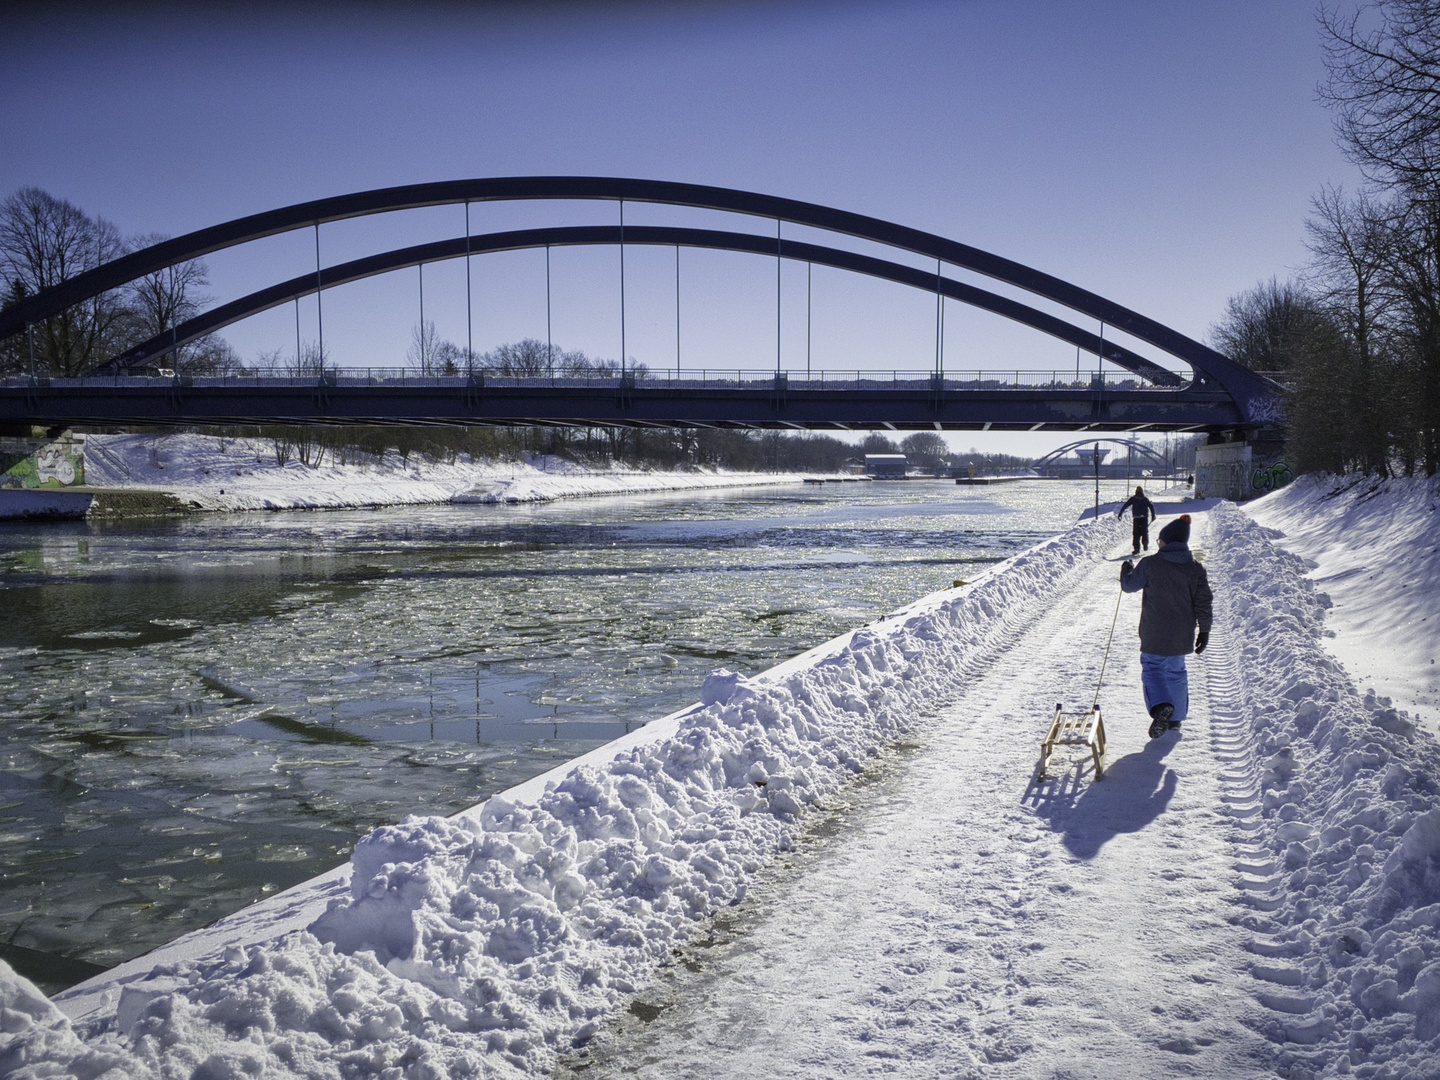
(210, 473)
(1374, 550)
(1346, 806)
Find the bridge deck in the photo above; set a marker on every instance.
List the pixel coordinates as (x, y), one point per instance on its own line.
(864, 400)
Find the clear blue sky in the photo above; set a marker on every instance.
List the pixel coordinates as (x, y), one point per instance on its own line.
(1161, 154)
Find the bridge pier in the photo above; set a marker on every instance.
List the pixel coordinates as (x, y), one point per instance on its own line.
(1240, 465)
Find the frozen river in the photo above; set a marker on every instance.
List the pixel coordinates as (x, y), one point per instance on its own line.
(202, 711)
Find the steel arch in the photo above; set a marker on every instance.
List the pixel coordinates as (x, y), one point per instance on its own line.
(667, 236)
(1255, 397)
(1130, 444)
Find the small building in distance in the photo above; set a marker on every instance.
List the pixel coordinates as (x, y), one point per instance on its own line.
(886, 466)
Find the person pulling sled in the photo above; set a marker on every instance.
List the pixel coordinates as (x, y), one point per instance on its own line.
(1142, 512)
(1175, 618)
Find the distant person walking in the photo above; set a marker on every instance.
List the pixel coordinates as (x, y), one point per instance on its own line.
(1142, 512)
(1176, 600)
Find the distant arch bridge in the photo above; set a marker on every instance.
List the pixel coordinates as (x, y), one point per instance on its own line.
(1146, 395)
(1148, 455)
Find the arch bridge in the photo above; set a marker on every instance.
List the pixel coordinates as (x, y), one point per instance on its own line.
(1147, 454)
(1142, 395)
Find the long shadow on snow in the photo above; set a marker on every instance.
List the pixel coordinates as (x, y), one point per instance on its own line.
(1136, 790)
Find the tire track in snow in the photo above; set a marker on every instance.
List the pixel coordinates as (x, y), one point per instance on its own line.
(960, 921)
(1279, 984)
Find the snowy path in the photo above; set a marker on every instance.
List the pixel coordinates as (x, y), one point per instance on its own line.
(965, 922)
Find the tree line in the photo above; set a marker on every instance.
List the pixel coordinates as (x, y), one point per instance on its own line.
(1355, 338)
(43, 241)
(735, 449)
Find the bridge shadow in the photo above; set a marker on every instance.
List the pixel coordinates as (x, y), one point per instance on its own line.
(1087, 813)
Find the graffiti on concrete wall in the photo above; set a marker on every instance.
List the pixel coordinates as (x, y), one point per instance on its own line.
(55, 464)
(1269, 475)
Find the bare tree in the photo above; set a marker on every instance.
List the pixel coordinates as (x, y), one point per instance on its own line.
(1284, 330)
(269, 362)
(1322, 410)
(532, 359)
(429, 354)
(44, 241)
(1414, 275)
(420, 355)
(310, 363)
(211, 355)
(1383, 81)
(1351, 241)
(528, 358)
(1383, 62)
(449, 358)
(1261, 325)
(925, 450)
(159, 302)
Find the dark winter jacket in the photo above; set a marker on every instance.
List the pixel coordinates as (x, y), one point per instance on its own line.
(1176, 600)
(1144, 509)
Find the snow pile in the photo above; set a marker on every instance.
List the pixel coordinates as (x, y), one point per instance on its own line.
(214, 473)
(1372, 542)
(1349, 803)
(35, 1036)
(484, 944)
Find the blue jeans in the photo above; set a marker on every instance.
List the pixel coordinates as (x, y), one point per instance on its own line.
(1164, 679)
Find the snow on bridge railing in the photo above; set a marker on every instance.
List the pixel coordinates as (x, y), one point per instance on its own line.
(678, 379)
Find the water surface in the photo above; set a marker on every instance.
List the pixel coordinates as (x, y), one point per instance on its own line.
(201, 711)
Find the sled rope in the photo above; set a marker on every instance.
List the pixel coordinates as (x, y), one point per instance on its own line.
(1114, 619)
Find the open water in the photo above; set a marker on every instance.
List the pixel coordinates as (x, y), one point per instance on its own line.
(197, 712)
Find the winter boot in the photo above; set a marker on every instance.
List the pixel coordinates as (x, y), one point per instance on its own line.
(1160, 719)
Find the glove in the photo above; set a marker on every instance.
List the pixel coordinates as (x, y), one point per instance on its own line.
(1201, 640)
(1126, 569)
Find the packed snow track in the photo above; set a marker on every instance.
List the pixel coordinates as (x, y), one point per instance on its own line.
(958, 919)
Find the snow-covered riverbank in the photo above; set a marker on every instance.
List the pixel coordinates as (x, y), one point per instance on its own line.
(209, 473)
(1375, 547)
(1263, 896)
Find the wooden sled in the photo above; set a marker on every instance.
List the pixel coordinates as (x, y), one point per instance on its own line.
(1075, 729)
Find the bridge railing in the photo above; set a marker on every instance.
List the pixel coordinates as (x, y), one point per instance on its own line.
(668, 379)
